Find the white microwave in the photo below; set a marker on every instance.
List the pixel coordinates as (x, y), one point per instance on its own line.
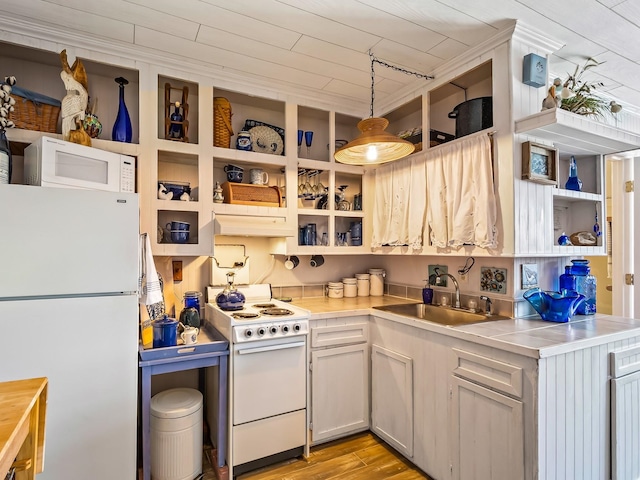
(50, 162)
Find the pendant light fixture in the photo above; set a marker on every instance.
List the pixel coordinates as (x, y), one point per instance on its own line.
(375, 146)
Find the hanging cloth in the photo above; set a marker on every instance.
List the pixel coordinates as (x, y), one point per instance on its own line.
(461, 204)
(400, 204)
(149, 288)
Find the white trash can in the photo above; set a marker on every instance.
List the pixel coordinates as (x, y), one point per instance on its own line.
(176, 434)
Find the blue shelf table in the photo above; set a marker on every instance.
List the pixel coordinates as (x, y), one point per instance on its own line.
(211, 350)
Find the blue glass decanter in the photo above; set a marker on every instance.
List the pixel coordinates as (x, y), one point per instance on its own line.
(573, 183)
(122, 131)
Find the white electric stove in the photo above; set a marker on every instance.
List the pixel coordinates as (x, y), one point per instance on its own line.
(267, 378)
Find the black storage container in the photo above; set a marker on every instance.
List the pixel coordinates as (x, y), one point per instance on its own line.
(473, 115)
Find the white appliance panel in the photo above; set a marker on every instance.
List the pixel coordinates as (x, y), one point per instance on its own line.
(268, 436)
(87, 348)
(67, 241)
(268, 379)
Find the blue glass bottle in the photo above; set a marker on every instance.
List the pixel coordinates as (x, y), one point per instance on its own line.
(586, 284)
(573, 183)
(122, 131)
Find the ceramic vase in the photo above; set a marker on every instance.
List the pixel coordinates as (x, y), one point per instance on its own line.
(122, 131)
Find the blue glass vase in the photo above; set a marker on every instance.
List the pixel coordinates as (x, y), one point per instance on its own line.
(573, 183)
(122, 131)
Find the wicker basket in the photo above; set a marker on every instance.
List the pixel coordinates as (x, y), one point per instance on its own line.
(34, 111)
(222, 130)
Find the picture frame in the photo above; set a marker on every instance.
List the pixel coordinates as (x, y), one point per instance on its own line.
(529, 275)
(539, 163)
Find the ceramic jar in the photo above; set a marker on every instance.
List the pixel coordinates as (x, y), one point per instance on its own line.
(350, 287)
(376, 282)
(363, 284)
(243, 141)
(335, 290)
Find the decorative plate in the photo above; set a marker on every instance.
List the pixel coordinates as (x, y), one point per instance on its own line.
(266, 140)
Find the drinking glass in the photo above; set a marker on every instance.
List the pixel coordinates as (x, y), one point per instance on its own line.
(308, 138)
(300, 134)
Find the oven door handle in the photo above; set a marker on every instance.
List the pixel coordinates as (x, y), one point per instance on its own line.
(270, 348)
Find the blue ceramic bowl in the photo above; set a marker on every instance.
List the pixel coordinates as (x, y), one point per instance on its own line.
(179, 236)
(177, 188)
(178, 226)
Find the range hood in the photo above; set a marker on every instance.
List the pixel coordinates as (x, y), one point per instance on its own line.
(252, 226)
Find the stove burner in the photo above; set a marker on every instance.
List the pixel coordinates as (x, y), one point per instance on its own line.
(277, 312)
(244, 315)
(264, 305)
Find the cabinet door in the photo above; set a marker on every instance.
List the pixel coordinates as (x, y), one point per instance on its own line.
(488, 433)
(392, 398)
(339, 391)
(625, 427)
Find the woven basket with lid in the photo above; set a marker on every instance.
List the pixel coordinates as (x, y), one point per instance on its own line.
(222, 130)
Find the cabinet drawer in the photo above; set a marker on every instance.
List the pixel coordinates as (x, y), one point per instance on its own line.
(499, 376)
(625, 362)
(339, 335)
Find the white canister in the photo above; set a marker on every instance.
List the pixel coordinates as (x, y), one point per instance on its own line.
(363, 284)
(335, 290)
(376, 281)
(350, 287)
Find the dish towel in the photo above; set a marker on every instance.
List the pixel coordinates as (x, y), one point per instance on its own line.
(149, 288)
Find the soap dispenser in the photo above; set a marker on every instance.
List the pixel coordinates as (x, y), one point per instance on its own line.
(427, 292)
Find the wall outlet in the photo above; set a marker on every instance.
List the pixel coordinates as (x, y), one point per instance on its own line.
(462, 277)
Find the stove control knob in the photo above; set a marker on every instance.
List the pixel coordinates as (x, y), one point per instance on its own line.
(261, 331)
(248, 333)
(273, 329)
(285, 328)
(297, 327)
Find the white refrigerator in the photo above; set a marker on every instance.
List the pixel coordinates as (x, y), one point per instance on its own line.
(69, 312)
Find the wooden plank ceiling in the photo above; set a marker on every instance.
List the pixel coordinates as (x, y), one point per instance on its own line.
(320, 46)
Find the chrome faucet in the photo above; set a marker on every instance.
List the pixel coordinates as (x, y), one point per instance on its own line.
(455, 284)
(488, 300)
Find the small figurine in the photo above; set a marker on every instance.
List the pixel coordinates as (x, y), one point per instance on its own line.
(217, 194)
(550, 101)
(175, 130)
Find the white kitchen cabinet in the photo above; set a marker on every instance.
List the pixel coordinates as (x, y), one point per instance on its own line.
(339, 378)
(487, 417)
(625, 421)
(340, 391)
(392, 398)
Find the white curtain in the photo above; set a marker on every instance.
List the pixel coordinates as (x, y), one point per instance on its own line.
(461, 204)
(448, 191)
(400, 203)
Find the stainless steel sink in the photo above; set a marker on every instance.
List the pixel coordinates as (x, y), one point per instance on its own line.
(442, 315)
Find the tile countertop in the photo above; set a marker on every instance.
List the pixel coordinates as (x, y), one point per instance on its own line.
(530, 337)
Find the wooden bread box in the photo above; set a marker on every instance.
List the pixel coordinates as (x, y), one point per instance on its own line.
(249, 194)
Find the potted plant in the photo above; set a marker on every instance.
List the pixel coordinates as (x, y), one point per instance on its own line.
(578, 95)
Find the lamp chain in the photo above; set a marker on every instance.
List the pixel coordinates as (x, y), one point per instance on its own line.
(393, 67)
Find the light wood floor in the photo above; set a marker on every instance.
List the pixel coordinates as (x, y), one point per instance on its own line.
(358, 457)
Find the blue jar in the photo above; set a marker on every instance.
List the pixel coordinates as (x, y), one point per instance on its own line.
(586, 284)
(243, 141)
(192, 300)
(567, 280)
